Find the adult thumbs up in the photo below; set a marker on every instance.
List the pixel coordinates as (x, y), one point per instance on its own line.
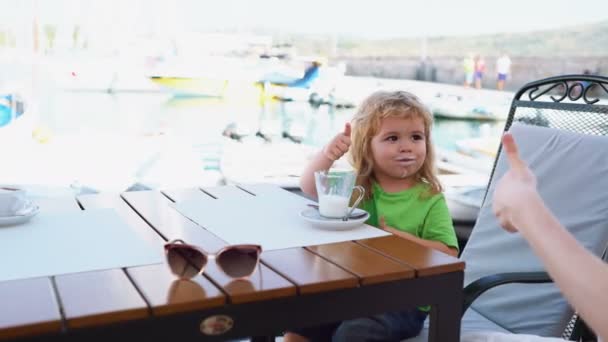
(511, 150)
(515, 187)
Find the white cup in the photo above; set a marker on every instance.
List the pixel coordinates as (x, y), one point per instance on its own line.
(334, 189)
(12, 200)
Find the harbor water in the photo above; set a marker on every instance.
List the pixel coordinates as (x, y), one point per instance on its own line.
(160, 141)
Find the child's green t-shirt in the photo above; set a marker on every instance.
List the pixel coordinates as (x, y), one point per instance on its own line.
(410, 211)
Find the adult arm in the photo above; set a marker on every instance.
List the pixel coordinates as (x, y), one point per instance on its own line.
(581, 276)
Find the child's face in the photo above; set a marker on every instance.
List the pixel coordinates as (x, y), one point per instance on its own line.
(399, 149)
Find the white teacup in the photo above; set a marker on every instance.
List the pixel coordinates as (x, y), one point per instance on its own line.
(334, 189)
(12, 200)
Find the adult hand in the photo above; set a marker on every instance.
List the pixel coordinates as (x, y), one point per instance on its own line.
(339, 145)
(515, 189)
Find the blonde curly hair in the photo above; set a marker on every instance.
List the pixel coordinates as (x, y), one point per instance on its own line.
(366, 124)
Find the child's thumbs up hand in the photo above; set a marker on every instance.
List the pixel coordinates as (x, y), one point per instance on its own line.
(347, 130)
(339, 145)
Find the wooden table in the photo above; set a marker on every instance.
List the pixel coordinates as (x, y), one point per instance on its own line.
(293, 288)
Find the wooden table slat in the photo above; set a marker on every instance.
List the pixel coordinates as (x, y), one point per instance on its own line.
(100, 297)
(167, 294)
(425, 261)
(371, 267)
(29, 307)
(263, 284)
(308, 271)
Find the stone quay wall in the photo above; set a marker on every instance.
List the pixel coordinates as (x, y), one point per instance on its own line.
(449, 69)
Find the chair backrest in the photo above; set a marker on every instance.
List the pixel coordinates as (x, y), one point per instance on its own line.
(573, 103)
(564, 144)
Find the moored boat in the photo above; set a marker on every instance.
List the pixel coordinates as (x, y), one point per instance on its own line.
(191, 86)
(461, 107)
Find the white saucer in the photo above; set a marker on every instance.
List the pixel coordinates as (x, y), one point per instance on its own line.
(25, 215)
(312, 215)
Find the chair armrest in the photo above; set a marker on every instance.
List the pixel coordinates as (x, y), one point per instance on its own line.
(481, 285)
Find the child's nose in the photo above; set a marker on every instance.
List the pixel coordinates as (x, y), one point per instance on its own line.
(405, 146)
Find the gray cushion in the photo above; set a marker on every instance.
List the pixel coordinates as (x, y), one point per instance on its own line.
(572, 173)
(471, 321)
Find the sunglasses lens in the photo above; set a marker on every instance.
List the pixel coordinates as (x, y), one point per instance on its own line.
(239, 262)
(185, 262)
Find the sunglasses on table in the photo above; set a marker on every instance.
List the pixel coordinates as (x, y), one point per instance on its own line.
(236, 261)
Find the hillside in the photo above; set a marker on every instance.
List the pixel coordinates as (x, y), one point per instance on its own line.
(581, 41)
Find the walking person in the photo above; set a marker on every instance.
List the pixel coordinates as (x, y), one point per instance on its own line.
(503, 69)
(480, 69)
(468, 65)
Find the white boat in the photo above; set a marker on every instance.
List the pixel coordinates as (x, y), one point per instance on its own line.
(464, 203)
(481, 147)
(464, 195)
(459, 106)
(315, 87)
(464, 179)
(457, 162)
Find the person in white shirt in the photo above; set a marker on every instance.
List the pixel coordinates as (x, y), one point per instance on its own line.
(503, 68)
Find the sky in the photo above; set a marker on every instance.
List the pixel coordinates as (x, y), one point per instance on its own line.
(394, 18)
(371, 19)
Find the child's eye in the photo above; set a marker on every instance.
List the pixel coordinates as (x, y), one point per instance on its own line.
(392, 138)
(418, 137)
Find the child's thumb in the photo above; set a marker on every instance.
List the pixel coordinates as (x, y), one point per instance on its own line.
(347, 129)
(382, 222)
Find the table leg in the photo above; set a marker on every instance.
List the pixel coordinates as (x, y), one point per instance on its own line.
(445, 317)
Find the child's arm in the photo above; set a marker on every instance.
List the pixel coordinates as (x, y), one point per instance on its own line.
(440, 246)
(323, 160)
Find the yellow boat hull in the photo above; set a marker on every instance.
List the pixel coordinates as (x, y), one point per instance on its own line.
(187, 86)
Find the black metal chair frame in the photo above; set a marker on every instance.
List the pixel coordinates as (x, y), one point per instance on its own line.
(573, 89)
